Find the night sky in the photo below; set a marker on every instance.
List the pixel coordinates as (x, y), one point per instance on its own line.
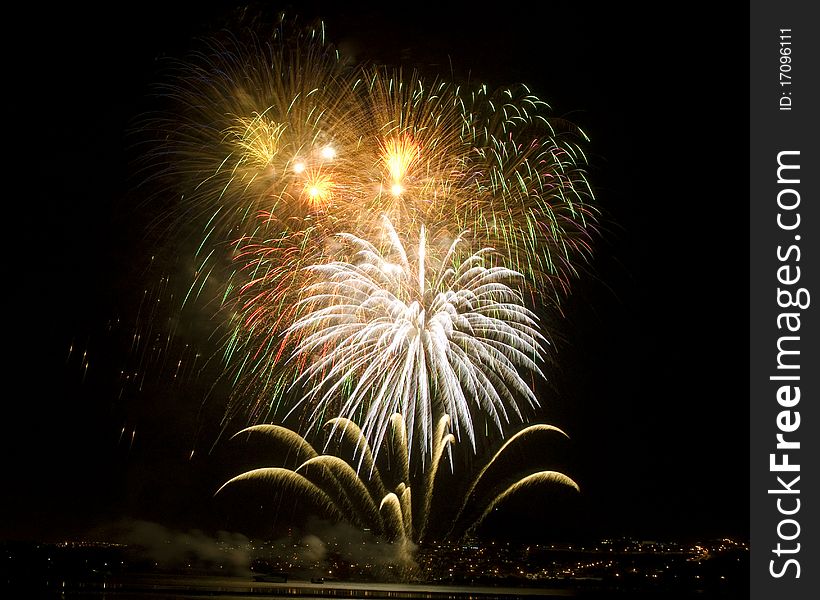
(651, 375)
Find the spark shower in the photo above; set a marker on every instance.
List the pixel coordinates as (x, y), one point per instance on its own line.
(382, 247)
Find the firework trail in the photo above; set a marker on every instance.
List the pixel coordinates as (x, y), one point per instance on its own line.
(293, 483)
(338, 491)
(531, 480)
(518, 438)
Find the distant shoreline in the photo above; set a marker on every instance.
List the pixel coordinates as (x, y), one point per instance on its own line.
(194, 586)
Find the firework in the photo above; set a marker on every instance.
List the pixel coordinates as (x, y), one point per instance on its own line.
(243, 119)
(372, 239)
(338, 489)
(404, 331)
(279, 148)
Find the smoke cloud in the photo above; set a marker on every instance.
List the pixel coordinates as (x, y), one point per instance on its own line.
(226, 552)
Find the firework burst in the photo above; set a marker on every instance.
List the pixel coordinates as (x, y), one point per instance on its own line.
(276, 147)
(289, 159)
(412, 333)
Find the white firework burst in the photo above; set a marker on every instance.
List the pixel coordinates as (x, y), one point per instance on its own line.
(418, 335)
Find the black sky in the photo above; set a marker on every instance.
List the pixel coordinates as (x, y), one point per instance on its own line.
(651, 387)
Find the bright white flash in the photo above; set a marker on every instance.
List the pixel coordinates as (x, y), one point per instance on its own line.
(415, 334)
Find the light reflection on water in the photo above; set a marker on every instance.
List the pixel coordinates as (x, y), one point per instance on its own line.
(224, 588)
